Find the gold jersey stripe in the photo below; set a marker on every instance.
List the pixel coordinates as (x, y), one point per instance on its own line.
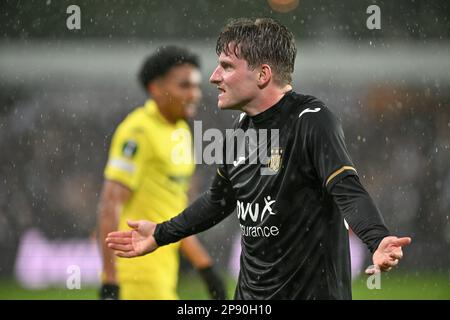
(220, 174)
(334, 174)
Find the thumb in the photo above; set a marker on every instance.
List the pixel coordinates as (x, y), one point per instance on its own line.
(133, 224)
(401, 242)
(372, 269)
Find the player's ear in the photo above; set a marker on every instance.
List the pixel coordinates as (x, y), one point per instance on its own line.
(264, 75)
(154, 88)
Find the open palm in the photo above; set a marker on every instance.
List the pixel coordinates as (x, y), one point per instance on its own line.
(133, 243)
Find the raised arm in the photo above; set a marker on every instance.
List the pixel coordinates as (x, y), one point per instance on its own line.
(212, 207)
(208, 210)
(363, 217)
(324, 139)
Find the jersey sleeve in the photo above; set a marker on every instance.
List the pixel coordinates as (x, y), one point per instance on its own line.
(208, 210)
(360, 211)
(128, 154)
(325, 146)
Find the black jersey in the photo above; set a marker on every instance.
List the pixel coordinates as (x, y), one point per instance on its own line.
(294, 235)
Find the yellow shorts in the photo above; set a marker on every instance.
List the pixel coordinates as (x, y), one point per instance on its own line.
(146, 291)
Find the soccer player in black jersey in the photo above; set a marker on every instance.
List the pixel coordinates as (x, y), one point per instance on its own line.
(295, 209)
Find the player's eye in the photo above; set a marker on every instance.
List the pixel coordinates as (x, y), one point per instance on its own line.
(184, 85)
(225, 65)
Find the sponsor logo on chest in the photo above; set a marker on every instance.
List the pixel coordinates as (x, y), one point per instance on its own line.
(255, 213)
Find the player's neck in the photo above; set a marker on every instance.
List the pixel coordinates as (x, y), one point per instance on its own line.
(164, 111)
(267, 99)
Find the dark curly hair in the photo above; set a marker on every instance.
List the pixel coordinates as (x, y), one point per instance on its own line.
(164, 58)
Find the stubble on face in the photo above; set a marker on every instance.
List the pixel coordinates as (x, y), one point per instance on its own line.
(235, 80)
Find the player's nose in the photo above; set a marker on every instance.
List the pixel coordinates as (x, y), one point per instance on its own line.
(195, 95)
(215, 76)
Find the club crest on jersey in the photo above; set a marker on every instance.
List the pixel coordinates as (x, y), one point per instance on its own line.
(275, 159)
(129, 149)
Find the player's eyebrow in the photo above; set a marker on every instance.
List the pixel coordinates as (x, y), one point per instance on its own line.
(185, 83)
(225, 64)
(224, 61)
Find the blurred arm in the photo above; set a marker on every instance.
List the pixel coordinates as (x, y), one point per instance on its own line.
(112, 199)
(200, 259)
(195, 252)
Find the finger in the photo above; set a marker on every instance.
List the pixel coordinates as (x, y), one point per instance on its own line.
(119, 240)
(119, 234)
(401, 242)
(390, 263)
(387, 263)
(133, 224)
(396, 255)
(372, 269)
(130, 254)
(121, 247)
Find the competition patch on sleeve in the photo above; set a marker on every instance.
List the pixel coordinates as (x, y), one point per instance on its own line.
(121, 165)
(129, 149)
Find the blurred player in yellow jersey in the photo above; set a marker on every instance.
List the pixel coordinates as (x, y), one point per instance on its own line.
(147, 177)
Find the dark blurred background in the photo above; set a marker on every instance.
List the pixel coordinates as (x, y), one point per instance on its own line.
(63, 92)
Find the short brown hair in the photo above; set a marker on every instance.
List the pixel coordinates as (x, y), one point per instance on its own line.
(259, 41)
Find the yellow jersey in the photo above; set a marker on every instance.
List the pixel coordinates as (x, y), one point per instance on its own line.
(153, 158)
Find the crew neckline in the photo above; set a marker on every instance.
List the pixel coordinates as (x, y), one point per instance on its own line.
(267, 114)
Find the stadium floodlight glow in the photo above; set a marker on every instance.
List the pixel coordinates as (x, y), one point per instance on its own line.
(283, 6)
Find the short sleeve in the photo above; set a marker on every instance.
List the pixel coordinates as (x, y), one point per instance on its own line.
(128, 154)
(326, 147)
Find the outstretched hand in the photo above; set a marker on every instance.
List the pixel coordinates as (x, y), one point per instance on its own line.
(388, 254)
(133, 243)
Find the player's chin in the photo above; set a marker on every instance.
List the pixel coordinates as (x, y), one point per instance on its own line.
(223, 105)
(189, 112)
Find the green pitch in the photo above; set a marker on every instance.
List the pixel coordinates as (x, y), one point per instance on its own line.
(393, 286)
